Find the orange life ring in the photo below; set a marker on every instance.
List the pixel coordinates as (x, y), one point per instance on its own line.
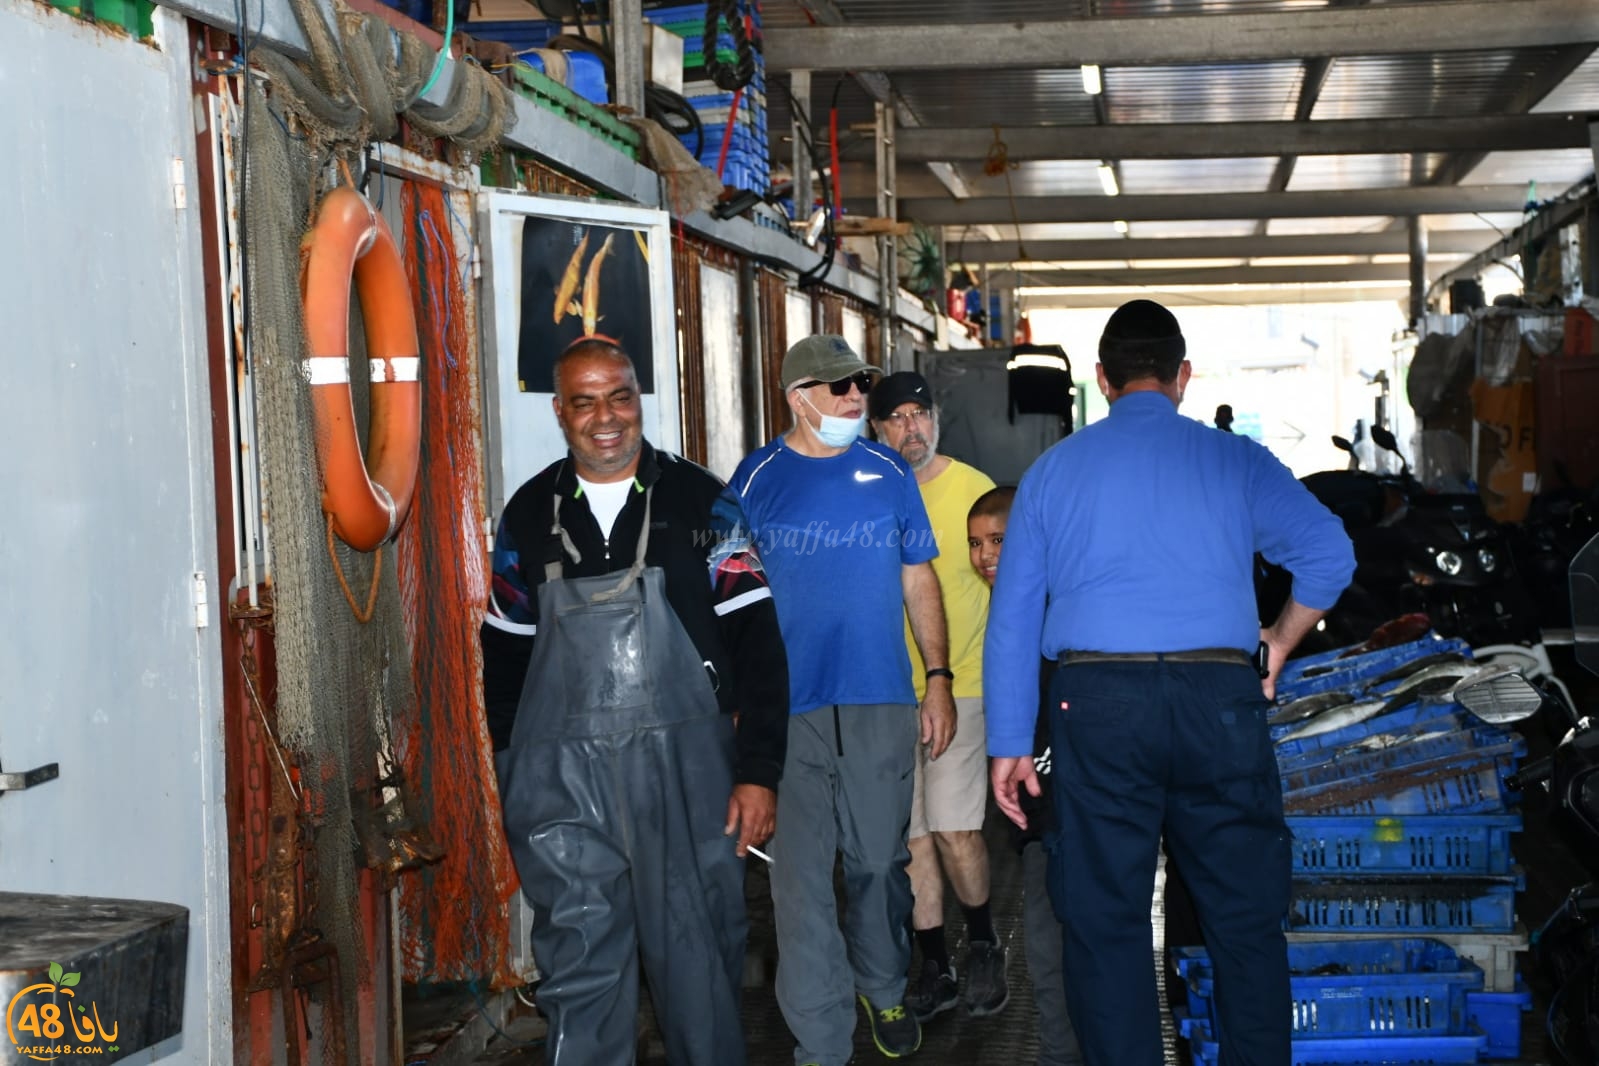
(365, 496)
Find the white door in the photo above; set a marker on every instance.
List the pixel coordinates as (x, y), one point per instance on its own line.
(107, 665)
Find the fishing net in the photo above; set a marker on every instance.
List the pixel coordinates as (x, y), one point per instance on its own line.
(454, 915)
(346, 680)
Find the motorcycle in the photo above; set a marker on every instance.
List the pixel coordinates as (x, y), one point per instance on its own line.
(1415, 552)
(1566, 946)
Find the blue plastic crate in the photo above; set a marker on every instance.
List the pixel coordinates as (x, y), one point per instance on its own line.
(1361, 1049)
(1297, 756)
(1415, 906)
(1347, 763)
(1409, 987)
(1498, 1014)
(1462, 783)
(1349, 846)
(1412, 718)
(521, 34)
(1325, 673)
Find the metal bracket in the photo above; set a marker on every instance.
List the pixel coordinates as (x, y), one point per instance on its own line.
(28, 778)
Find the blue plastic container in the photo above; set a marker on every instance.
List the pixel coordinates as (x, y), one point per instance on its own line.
(1358, 988)
(1327, 672)
(1498, 1014)
(1352, 846)
(1414, 718)
(1416, 906)
(1462, 783)
(1360, 1049)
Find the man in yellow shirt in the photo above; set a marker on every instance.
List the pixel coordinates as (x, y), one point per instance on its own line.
(950, 792)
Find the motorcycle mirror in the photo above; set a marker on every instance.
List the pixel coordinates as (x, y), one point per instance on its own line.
(1584, 580)
(1497, 695)
(1384, 439)
(1342, 444)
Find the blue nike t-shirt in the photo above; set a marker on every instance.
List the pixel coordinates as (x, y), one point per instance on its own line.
(834, 535)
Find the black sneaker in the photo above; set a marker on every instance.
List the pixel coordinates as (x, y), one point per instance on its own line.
(895, 1030)
(931, 992)
(987, 991)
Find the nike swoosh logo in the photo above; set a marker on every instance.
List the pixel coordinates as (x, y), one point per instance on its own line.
(863, 476)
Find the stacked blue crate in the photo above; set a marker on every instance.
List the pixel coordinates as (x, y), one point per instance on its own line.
(747, 162)
(1401, 827)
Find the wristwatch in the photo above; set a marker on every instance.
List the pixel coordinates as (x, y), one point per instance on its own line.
(941, 671)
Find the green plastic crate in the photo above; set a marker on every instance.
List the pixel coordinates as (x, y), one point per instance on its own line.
(136, 17)
(551, 95)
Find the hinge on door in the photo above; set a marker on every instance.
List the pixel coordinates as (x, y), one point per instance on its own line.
(477, 262)
(488, 535)
(202, 602)
(180, 187)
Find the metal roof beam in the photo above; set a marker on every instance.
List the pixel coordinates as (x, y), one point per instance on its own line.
(1439, 242)
(1235, 275)
(1216, 140)
(1427, 200)
(1263, 296)
(1465, 25)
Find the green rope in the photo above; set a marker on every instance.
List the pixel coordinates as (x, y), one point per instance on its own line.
(444, 49)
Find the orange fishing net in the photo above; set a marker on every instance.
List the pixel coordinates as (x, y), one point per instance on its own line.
(454, 914)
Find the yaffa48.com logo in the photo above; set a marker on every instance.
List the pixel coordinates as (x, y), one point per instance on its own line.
(46, 1020)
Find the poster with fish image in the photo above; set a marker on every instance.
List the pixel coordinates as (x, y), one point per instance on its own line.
(581, 279)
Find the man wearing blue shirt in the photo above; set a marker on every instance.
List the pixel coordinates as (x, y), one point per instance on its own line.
(847, 548)
(1128, 558)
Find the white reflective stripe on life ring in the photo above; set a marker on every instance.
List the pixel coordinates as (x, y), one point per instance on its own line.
(325, 370)
(403, 367)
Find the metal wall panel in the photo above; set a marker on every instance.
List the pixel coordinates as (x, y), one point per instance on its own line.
(722, 358)
(110, 668)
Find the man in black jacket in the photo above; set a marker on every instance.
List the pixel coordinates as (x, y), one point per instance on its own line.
(628, 629)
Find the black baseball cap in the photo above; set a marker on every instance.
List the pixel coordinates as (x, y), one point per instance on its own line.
(904, 387)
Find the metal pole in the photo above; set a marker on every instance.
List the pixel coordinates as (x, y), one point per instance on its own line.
(627, 36)
(752, 331)
(799, 85)
(1418, 271)
(887, 267)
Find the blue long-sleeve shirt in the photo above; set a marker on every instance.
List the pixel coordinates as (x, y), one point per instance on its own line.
(1138, 534)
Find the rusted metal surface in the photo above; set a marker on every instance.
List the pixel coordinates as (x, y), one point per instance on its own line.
(772, 295)
(687, 255)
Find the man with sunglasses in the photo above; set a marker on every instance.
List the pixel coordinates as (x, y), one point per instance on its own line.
(951, 794)
(844, 536)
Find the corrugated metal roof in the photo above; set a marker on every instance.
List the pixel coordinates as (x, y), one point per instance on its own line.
(1493, 81)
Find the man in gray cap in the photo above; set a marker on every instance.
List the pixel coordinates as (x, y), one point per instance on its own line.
(847, 548)
(951, 796)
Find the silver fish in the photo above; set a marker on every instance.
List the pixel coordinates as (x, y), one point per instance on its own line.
(1304, 707)
(1415, 666)
(1338, 718)
(1451, 671)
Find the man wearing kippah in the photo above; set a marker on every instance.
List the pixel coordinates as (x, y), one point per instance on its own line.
(844, 537)
(1129, 559)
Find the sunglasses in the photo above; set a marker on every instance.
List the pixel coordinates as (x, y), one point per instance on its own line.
(862, 381)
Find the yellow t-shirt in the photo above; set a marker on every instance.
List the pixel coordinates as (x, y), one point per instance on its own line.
(948, 497)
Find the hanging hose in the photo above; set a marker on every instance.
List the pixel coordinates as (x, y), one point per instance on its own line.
(444, 49)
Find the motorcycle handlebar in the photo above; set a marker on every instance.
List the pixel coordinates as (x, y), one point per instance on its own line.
(1535, 772)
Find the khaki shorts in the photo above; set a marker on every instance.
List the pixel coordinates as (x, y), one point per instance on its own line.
(951, 794)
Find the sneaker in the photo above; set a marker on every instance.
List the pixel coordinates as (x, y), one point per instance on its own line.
(986, 989)
(895, 1031)
(931, 992)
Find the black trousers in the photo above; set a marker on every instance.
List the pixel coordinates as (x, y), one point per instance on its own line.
(1180, 749)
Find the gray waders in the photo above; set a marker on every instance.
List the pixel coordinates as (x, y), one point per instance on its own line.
(615, 788)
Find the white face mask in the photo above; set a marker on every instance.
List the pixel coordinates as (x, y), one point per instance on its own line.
(836, 432)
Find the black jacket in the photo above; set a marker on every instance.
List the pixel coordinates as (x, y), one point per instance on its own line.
(715, 584)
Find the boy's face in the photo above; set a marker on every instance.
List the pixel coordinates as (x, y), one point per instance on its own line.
(985, 534)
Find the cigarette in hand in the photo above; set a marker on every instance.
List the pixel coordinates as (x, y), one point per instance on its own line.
(759, 854)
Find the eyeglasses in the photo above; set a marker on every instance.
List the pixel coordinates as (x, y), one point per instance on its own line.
(862, 381)
(900, 419)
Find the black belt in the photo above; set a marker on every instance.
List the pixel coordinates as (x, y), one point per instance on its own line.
(1231, 656)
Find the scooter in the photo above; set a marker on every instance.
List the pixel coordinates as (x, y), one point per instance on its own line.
(1566, 947)
(1415, 551)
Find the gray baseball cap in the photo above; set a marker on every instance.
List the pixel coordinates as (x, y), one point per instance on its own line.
(823, 357)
